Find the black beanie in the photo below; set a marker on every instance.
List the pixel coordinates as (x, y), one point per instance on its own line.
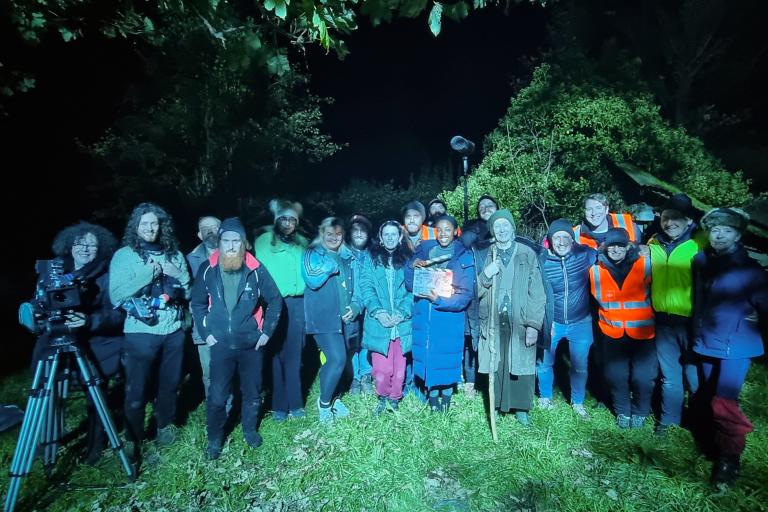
(363, 221)
(490, 198)
(437, 200)
(560, 225)
(233, 224)
(616, 236)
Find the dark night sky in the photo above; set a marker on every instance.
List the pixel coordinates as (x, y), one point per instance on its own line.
(402, 93)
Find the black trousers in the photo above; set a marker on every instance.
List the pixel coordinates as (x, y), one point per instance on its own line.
(630, 371)
(225, 361)
(141, 353)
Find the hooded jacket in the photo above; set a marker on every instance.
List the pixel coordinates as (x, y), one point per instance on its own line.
(257, 311)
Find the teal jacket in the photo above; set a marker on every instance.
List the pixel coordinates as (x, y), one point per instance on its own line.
(128, 274)
(374, 292)
(283, 261)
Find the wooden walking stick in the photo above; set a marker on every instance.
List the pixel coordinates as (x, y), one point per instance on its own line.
(492, 348)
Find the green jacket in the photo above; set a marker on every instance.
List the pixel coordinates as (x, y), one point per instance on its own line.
(672, 290)
(128, 274)
(283, 261)
(374, 291)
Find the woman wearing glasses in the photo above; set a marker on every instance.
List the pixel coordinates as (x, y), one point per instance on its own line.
(84, 250)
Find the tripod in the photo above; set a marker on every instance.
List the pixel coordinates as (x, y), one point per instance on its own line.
(43, 423)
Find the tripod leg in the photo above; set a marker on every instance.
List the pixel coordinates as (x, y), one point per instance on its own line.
(100, 405)
(29, 438)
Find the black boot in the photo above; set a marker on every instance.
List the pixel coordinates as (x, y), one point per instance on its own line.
(726, 470)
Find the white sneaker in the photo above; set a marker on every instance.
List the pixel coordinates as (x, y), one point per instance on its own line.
(546, 403)
(580, 410)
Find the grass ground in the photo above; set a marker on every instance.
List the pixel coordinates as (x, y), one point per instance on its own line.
(412, 460)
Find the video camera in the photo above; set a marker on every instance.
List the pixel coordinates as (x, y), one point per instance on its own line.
(58, 296)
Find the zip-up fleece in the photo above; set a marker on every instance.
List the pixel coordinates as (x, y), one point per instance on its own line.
(257, 311)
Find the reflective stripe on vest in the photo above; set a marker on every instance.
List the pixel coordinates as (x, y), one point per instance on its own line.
(428, 233)
(615, 220)
(626, 310)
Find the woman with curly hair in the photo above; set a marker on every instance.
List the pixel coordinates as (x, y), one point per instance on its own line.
(150, 270)
(84, 251)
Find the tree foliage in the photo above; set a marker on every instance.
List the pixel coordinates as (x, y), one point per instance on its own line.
(562, 133)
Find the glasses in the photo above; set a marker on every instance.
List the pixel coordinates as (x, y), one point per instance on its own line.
(288, 220)
(87, 247)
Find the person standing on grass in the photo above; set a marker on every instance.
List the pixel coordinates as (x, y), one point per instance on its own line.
(388, 305)
(359, 243)
(281, 251)
(438, 322)
(729, 316)
(208, 233)
(621, 283)
(236, 306)
(509, 277)
(565, 269)
(330, 310)
(672, 252)
(150, 268)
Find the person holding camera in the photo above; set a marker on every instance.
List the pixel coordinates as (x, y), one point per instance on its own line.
(150, 280)
(83, 251)
(236, 305)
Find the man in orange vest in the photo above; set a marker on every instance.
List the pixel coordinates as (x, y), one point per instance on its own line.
(621, 283)
(414, 215)
(598, 220)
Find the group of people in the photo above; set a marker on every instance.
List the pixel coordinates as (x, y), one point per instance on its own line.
(423, 305)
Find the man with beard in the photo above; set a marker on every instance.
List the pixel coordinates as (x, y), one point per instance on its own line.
(149, 278)
(435, 209)
(208, 233)
(229, 298)
(414, 214)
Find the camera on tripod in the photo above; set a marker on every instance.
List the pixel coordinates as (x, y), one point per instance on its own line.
(58, 298)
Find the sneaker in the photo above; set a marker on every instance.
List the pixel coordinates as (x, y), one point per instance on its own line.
(297, 413)
(366, 384)
(394, 404)
(725, 471)
(339, 409)
(279, 415)
(381, 406)
(326, 413)
(661, 430)
(580, 410)
(213, 451)
(637, 421)
(546, 403)
(166, 436)
(355, 387)
(522, 418)
(469, 390)
(623, 421)
(253, 439)
(434, 404)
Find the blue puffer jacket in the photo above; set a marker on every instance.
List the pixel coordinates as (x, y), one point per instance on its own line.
(730, 305)
(320, 272)
(569, 279)
(438, 328)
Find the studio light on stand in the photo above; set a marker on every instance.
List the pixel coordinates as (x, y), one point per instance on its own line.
(464, 147)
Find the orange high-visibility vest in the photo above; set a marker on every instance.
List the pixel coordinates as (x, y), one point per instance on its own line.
(428, 233)
(615, 220)
(626, 310)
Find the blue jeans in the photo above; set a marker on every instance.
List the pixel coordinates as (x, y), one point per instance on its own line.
(360, 364)
(672, 349)
(579, 336)
(725, 376)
